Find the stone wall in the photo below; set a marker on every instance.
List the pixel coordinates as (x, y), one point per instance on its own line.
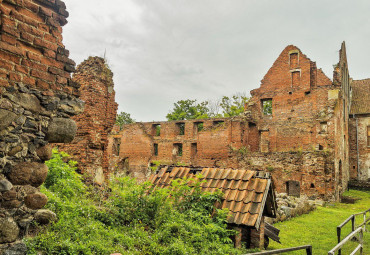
(37, 99)
(89, 147)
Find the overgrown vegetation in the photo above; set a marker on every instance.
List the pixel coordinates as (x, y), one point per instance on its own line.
(124, 118)
(224, 107)
(318, 228)
(129, 219)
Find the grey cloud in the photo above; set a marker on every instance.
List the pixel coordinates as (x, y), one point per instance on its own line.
(162, 51)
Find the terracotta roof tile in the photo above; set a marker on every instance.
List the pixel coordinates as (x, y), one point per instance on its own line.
(205, 172)
(243, 185)
(261, 185)
(225, 173)
(240, 174)
(232, 175)
(218, 174)
(243, 189)
(248, 175)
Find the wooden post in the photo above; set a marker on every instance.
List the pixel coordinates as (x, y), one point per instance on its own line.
(365, 221)
(353, 222)
(309, 250)
(361, 241)
(338, 235)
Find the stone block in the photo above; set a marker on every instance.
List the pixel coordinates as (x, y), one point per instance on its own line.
(31, 173)
(36, 200)
(9, 230)
(61, 130)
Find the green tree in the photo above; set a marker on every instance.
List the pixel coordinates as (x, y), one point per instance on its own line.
(188, 110)
(234, 105)
(224, 107)
(124, 118)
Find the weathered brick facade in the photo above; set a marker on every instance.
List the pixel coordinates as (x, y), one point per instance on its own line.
(295, 125)
(360, 130)
(37, 99)
(94, 124)
(196, 143)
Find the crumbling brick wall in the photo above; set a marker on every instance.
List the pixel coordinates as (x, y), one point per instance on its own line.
(191, 142)
(89, 147)
(37, 99)
(297, 139)
(301, 113)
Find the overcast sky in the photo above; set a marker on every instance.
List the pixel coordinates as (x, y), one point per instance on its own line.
(162, 51)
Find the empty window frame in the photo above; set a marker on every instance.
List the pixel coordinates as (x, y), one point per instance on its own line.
(266, 105)
(198, 126)
(194, 149)
(116, 146)
(294, 59)
(155, 147)
(156, 129)
(218, 122)
(296, 78)
(323, 127)
(177, 149)
(180, 128)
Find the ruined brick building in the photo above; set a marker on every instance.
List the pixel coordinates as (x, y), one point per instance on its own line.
(296, 126)
(37, 99)
(95, 80)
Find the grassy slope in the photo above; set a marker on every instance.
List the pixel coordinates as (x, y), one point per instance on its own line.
(318, 228)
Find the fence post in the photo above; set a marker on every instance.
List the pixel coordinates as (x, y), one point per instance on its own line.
(309, 250)
(361, 241)
(353, 223)
(365, 221)
(338, 234)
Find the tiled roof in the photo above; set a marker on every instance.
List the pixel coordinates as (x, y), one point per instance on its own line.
(360, 102)
(245, 192)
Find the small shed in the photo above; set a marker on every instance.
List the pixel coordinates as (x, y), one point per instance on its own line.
(249, 196)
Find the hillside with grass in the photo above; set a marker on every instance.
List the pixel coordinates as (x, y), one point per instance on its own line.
(318, 228)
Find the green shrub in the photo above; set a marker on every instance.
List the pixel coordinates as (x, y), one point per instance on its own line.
(131, 219)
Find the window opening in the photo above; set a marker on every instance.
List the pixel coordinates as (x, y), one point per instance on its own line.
(116, 146)
(181, 128)
(156, 149)
(266, 106)
(156, 129)
(177, 149)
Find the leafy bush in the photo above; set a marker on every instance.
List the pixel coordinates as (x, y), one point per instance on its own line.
(131, 219)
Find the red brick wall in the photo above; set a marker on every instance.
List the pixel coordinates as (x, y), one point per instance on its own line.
(97, 120)
(299, 94)
(31, 48)
(213, 144)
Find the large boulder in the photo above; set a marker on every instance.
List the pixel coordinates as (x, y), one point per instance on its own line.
(45, 216)
(36, 200)
(31, 173)
(45, 152)
(9, 230)
(61, 130)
